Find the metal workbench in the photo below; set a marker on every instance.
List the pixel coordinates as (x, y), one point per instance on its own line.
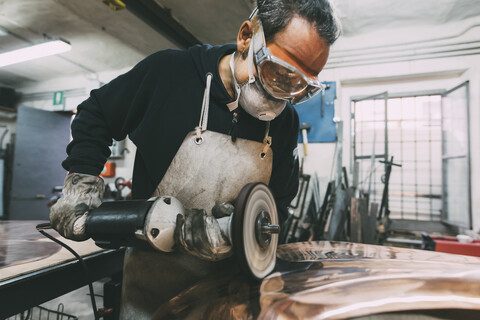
(33, 269)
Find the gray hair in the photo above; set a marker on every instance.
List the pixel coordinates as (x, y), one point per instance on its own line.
(277, 14)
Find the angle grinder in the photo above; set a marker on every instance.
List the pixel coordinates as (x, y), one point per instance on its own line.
(252, 229)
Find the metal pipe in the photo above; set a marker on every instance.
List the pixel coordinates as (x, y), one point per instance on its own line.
(418, 41)
(401, 58)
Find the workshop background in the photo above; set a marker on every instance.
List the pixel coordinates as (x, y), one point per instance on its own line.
(399, 120)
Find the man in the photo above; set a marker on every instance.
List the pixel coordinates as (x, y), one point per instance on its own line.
(166, 103)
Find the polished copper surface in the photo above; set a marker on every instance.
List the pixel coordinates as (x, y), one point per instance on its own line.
(338, 280)
(356, 280)
(20, 242)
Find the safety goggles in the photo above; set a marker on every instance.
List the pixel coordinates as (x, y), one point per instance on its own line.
(280, 75)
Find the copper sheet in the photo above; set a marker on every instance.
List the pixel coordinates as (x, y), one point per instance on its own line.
(357, 280)
(334, 280)
(20, 242)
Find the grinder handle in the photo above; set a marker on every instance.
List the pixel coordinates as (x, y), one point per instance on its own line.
(114, 224)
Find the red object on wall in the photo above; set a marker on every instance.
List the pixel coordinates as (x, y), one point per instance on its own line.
(451, 245)
(108, 170)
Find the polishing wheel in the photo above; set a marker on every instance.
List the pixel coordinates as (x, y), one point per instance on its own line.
(255, 229)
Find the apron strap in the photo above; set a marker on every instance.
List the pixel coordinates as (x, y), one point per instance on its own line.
(202, 125)
(267, 141)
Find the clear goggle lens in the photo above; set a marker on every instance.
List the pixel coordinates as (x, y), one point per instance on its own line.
(281, 82)
(285, 84)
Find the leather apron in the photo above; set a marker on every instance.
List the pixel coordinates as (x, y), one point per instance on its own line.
(208, 168)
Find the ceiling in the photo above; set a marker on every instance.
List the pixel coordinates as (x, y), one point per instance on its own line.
(103, 39)
(361, 16)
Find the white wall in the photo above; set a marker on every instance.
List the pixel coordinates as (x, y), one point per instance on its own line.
(40, 94)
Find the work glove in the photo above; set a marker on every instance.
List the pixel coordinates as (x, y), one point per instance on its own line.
(81, 193)
(200, 234)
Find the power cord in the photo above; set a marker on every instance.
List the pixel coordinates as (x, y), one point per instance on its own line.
(45, 226)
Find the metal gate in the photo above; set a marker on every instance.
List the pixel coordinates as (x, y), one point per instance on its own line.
(407, 128)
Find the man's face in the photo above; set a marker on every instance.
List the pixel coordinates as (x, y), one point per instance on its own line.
(298, 44)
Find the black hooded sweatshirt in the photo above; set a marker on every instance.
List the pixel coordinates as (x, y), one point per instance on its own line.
(156, 104)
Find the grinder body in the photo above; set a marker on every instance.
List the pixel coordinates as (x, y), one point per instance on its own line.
(135, 223)
(252, 229)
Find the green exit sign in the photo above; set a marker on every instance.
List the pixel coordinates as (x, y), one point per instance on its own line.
(58, 98)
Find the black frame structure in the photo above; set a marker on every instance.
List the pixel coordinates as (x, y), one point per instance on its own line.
(26, 291)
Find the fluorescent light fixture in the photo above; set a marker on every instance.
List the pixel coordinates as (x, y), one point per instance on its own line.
(33, 52)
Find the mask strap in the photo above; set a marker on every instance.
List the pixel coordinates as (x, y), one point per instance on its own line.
(234, 104)
(256, 44)
(251, 78)
(202, 125)
(232, 69)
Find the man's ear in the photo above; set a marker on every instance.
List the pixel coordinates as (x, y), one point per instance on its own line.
(244, 36)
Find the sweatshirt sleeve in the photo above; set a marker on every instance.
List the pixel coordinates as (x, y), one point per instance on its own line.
(112, 112)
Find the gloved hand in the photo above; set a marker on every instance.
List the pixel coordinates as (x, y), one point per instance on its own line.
(199, 234)
(81, 193)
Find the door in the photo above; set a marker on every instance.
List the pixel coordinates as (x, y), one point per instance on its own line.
(40, 143)
(456, 190)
